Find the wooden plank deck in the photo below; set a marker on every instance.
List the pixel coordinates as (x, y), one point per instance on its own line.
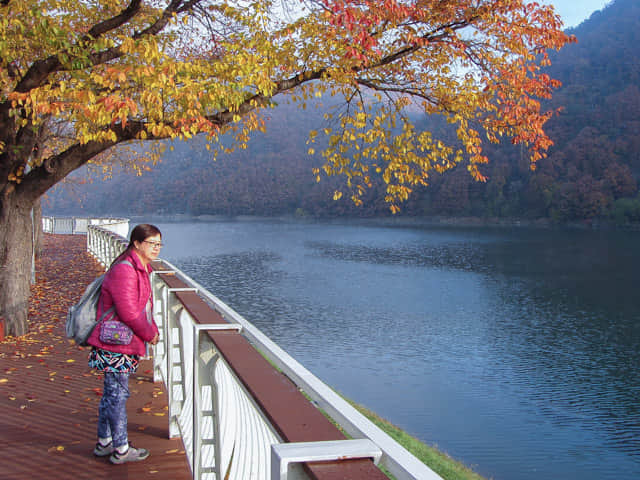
(49, 396)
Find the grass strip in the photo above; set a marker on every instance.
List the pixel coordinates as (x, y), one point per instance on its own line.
(441, 463)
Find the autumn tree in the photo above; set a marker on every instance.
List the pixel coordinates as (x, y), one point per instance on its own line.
(120, 71)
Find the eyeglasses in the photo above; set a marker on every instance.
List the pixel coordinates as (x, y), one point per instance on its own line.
(154, 244)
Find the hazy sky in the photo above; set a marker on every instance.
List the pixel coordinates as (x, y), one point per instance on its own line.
(574, 12)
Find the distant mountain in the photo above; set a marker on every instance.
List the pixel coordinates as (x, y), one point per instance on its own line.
(592, 171)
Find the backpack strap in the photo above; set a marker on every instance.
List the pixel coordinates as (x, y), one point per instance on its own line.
(112, 307)
(126, 262)
(105, 313)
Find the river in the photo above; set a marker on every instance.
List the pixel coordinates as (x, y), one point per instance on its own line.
(514, 350)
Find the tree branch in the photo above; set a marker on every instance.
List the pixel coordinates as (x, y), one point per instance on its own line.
(409, 91)
(114, 22)
(41, 69)
(188, 6)
(56, 167)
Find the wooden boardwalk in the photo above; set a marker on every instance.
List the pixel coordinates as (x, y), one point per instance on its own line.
(49, 396)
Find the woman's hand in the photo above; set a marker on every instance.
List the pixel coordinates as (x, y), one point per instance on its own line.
(154, 340)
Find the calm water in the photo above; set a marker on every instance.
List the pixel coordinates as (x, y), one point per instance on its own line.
(516, 351)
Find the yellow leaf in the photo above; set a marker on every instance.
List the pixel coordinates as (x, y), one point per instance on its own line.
(4, 380)
(70, 360)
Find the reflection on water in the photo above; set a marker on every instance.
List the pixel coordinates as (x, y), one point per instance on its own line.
(515, 350)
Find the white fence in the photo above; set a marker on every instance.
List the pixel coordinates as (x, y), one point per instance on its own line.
(225, 433)
(75, 225)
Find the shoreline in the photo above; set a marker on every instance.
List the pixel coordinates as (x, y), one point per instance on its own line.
(386, 221)
(440, 221)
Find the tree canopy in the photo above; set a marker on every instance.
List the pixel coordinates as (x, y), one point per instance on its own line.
(117, 71)
(79, 77)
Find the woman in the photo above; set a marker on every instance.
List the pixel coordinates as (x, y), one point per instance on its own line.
(127, 288)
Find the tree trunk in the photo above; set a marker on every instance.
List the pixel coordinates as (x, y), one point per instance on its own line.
(16, 237)
(38, 234)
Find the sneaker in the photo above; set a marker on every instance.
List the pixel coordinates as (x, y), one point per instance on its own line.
(131, 455)
(103, 450)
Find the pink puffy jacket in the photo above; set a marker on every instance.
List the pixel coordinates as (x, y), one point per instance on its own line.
(130, 289)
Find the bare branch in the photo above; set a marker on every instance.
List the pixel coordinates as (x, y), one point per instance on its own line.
(387, 89)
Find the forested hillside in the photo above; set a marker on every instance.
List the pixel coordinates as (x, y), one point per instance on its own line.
(592, 171)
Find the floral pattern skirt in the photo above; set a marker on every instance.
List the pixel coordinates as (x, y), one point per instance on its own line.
(107, 361)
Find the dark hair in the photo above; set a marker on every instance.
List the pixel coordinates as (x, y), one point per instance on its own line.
(139, 234)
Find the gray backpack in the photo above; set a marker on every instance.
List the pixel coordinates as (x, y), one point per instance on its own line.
(81, 318)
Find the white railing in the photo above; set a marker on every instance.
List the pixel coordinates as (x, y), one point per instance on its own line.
(225, 434)
(76, 225)
(105, 244)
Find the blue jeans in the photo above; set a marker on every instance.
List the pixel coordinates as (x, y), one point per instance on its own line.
(112, 413)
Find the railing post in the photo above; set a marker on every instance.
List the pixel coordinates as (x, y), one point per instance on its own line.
(174, 429)
(197, 442)
(158, 314)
